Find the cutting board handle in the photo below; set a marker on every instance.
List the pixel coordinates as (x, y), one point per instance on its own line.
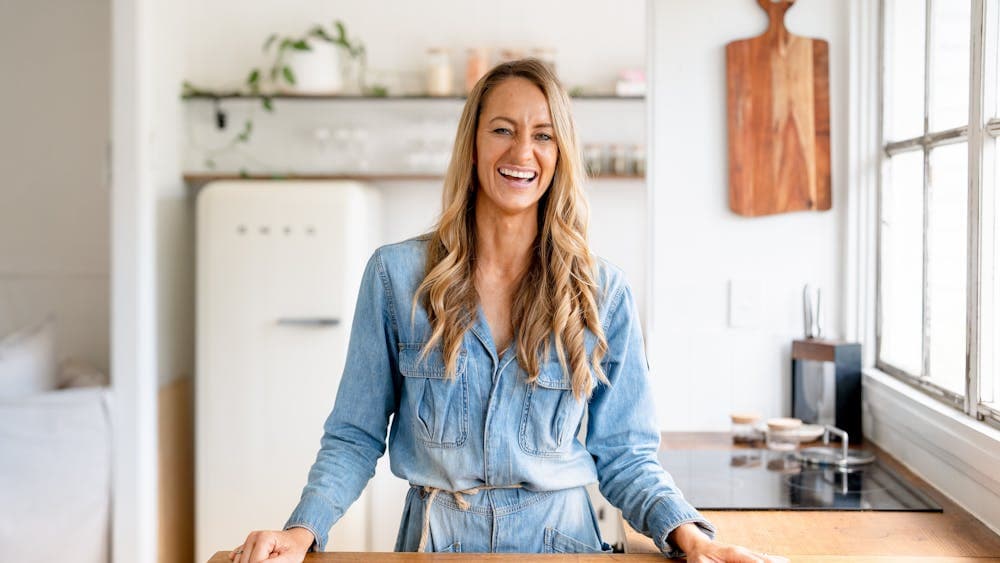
(776, 13)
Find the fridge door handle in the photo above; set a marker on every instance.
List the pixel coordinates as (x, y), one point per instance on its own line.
(309, 321)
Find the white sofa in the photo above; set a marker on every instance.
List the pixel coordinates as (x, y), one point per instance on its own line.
(55, 476)
(55, 455)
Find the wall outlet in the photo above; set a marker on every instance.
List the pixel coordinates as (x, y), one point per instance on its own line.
(745, 303)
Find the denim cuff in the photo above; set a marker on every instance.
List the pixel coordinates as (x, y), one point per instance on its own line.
(669, 513)
(315, 514)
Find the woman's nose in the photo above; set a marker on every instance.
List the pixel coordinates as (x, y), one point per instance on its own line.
(522, 148)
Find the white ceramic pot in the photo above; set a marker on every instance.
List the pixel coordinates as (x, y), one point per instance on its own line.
(318, 71)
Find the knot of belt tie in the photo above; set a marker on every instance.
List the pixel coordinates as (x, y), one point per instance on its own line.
(459, 500)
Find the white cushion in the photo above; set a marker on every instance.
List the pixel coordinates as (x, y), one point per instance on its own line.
(27, 361)
(55, 477)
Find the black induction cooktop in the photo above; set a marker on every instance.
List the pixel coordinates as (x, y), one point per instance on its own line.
(755, 479)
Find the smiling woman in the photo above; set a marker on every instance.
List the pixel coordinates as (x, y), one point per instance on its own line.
(453, 340)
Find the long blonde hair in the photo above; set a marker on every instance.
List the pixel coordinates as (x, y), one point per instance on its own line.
(557, 297)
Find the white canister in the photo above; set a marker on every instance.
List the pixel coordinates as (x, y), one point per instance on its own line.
(318, 71)
(439, 75)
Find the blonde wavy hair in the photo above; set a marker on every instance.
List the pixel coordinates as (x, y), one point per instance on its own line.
(556, 300)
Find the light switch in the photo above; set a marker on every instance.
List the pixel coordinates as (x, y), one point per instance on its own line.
(745, 303)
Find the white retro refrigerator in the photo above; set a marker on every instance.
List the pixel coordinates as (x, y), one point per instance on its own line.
(279, 265)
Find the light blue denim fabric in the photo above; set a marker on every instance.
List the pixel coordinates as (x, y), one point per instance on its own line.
(489, 427)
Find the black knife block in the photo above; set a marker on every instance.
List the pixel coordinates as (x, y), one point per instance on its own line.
(846, 357)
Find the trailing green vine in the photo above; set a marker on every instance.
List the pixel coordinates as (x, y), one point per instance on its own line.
(278, 72)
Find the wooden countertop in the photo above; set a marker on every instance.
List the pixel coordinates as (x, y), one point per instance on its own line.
(954, 534)
(951, 536)
(330, 557)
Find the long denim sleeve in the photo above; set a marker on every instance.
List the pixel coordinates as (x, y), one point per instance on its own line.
(354, 433)
(623, 438)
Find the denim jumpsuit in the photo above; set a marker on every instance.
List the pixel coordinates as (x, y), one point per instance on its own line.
(488, 429)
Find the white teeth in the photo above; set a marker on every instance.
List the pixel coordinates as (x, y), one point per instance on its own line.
(517, 174)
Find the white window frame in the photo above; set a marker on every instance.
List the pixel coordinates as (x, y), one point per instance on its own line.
(980, 138)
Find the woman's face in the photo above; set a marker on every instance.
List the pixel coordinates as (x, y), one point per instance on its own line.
(516, 150)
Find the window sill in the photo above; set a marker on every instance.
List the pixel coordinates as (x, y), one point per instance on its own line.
(948, 449)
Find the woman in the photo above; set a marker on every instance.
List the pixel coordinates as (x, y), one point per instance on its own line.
(491, 340)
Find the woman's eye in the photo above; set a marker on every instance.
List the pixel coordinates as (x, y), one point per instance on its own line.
(502, 131)
(544, 137)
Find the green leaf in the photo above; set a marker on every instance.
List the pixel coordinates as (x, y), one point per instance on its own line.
(270, 41)
(254, 77)
(274, 73)
(341, 32)
(244, 135)
(301, 45)
(244, 173)
(288, 74)
(267, 103)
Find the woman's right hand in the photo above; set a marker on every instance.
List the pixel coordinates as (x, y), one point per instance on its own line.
(289, 546)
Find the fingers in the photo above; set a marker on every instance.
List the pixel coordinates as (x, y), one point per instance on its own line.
(257, 547)
(261, 551)
(244, 556)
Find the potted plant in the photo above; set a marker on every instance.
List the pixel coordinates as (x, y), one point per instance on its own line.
(312, 63)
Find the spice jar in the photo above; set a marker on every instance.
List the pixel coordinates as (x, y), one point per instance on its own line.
(439, 76)
(782, 434)
(619, 160)
(593, 158)
(637, 160)
(743, 427)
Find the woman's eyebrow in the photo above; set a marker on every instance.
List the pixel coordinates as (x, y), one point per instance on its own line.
(512, 122)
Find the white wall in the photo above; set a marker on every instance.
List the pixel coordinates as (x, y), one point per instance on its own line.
(704, 368)
(175, 232)
(587, 34)
(54, 202)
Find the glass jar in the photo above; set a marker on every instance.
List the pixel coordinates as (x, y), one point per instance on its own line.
(477, 64)
(547, 55)
(619, 160)
(637, 160)
(593, 158)
(743, 428)
(782, 434)
(439, 76)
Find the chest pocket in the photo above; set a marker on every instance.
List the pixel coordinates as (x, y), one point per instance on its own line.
(551, 414)
(438, 408)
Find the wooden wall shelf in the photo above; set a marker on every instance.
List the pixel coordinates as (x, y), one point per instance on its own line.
(198, 180)
(354, 97)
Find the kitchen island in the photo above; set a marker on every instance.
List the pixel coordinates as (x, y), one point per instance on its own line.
(952, 535)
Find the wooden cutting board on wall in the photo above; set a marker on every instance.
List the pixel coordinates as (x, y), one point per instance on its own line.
(779, 120)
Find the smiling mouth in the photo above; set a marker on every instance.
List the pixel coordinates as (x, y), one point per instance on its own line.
(524, 177)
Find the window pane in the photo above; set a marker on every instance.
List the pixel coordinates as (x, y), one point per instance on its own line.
(901, 268)
(904, 85)
(989, 388)
(950, 28)
(947, 265)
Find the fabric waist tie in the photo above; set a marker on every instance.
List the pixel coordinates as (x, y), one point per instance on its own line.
(459, 500)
